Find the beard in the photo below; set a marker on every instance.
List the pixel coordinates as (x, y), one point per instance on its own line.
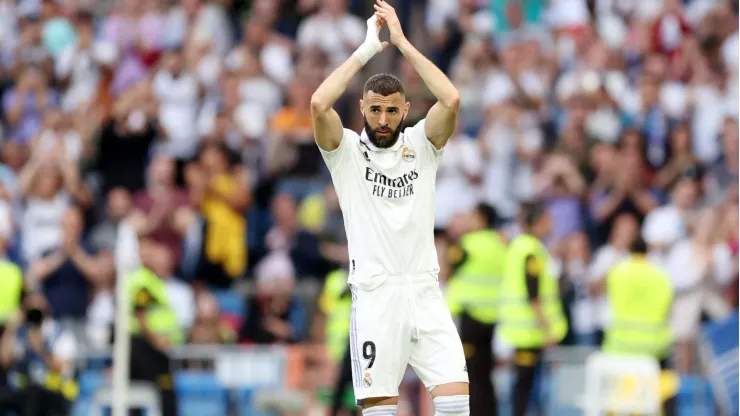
(383, 142)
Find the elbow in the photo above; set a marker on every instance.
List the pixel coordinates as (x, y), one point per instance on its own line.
(319, 105)
(453, 101)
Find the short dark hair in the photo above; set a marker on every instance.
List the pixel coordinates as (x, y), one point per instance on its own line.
(533, 211)
(384, 84)
(639, 246)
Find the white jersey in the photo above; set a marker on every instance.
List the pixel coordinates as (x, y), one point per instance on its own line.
(387, 199)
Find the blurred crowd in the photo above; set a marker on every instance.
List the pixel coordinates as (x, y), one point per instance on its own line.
(178, 135)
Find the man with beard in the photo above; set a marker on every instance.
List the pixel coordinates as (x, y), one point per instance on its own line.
(385, 181)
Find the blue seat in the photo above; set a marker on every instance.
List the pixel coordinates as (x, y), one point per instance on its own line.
(720, 345)
(230, 302)
(199, 394)
(694, 396)
(90, 381)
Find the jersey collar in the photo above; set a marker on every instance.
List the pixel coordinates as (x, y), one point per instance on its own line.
(396, 146)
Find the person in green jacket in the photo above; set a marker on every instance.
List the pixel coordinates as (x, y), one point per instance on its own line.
(472, 296)
(154, 329)
(531, 317)
(336, 304)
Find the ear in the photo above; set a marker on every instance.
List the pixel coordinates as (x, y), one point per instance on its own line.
(406, 109)
(362, 107)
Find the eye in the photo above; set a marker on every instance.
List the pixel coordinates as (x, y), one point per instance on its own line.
(374, 110)
(393, 111)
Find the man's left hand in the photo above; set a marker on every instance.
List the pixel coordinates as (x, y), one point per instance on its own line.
(384, 11)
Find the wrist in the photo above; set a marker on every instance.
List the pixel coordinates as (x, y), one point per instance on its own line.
(364, 53)
(404, 45)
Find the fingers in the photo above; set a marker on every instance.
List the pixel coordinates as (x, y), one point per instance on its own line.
(384, 5)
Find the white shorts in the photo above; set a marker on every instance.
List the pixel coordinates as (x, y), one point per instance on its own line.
(401, 322)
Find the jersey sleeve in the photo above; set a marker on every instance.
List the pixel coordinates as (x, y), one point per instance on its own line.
(421, 142)
(340, 156)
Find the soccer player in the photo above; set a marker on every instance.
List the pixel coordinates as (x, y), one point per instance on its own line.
(385, 181)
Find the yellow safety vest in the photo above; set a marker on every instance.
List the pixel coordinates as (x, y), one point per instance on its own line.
(337, 309)
(475, 286)
(147, 290)
(518, 324)
(11, 282)
(640, 297)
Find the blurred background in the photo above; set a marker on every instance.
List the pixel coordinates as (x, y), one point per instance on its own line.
(176, 136)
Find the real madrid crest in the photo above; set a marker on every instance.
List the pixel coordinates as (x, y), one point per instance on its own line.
(367, 381)
(409, 154)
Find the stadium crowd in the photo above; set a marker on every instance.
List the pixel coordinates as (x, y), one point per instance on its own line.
(189, 121)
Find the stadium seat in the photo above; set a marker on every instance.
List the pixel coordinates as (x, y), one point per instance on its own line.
(695, 396)
(90, 382)
(229, 302)
(719, 348)
(199, 394)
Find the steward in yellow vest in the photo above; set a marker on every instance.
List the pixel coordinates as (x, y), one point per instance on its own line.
(472, 296)
(154, 329)
(530, 316)
(640, 296)
(336, 304)
(11, 282)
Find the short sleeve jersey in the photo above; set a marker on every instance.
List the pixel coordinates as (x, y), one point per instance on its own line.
(387, 199)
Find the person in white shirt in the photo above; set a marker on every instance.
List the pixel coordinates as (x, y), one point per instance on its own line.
(698, 267)
(333, 30)
(385, 181)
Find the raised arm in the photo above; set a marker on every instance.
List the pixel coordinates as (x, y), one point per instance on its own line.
(442, 117)
(327, 127)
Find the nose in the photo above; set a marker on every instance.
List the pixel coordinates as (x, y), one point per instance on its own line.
(383, 121)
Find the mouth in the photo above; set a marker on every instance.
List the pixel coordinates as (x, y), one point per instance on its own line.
(383, 132)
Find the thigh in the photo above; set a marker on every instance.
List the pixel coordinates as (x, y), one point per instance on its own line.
(379, 341)
(438, 356)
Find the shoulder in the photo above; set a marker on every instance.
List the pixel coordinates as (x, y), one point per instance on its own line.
(334, 157)
(416, 134)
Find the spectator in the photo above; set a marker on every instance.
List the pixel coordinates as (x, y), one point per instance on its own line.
(58, 31)
(333, 29)
(161, 206)
(275, 314)
(458, 179)
(680, 157)
(49, 184)
(627, 193)
(24, 105)
(699, 267)
(104, 234)
(273, 51)
(33, 347)
(291, 151)
(574, 273)
(124, 140)
(78, 64)
(665, 225)
(178, 92)
(65, 273)
(101, 311)
(209, 328)
(206, 20)
(562, 186)
(223, 196)
(287, 236)
(30, 51)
